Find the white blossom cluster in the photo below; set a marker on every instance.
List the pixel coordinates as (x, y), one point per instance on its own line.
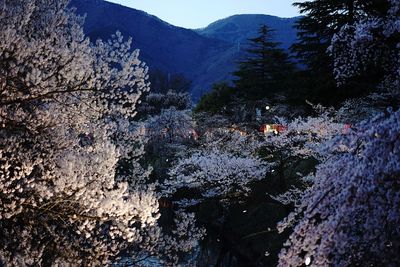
(311, 137)
(370, 42)
(291, 197)
(226, 162)
(170, 126)
(65, 106)
(186, 235)
(215, 173)
(351, 214)
(303, 137)
(355, 110)
(232, 140)
(222, 164)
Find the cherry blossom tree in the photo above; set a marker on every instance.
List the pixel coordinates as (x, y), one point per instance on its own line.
(171, 126)
(350, 215)
(223, 165)
(232, 140)
(216, 173)
(303, 137)
(355, 110)
(371, 42)
(65, 111)
(169, 134)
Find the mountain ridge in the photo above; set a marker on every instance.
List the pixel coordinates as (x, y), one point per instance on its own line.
(246, 26)
(202, 56)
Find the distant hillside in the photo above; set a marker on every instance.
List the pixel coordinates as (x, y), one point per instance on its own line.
(239, 28)
(204, 56)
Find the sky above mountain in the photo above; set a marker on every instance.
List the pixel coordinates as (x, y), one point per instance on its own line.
(199, 13)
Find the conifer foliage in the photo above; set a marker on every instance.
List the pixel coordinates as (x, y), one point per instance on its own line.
(320, 21)
(266, 68)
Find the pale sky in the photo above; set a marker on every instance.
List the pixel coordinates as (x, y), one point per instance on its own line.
(200, 13)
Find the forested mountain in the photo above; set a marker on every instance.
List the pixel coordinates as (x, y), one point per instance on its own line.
(203, 56)
(238, 29)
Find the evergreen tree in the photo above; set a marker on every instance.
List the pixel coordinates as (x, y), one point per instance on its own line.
(321, 20)
(219, 97)
(266, 68)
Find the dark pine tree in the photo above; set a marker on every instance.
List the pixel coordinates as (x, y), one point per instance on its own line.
(266, 69)
(218, 98)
